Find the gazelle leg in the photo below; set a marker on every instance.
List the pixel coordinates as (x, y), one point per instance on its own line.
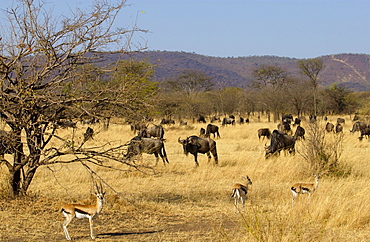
(65, 224)
(91, 228)
(293, 198)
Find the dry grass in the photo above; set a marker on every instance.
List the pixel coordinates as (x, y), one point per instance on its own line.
(181, 203)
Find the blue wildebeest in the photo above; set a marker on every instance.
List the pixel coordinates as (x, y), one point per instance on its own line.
(194, 145)
(299, 133)
(228, 121)
(358, 126)
(287, 118)
(139, 145)
(167, 121)
(202, 133)
(201, 119)
(364, 132)
(212, 129)
(154, 131)
(265, 132)
(338, 128)
(280, 141)
(329, 127)
(284, 127)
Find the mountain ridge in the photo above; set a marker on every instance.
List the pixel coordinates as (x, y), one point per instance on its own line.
(351, 70)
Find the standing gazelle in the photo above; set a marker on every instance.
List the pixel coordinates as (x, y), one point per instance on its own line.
(305, 188)
(240, 192)
(71, 211)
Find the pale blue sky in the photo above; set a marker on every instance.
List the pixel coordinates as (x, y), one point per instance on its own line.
(286, 28)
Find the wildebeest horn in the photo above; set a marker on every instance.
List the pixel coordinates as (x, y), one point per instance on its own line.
(178, 140)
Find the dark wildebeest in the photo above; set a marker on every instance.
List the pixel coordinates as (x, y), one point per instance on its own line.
(338, 128)
(297, 121)
(202, 133)
(299, 133)
(7, 143)
(212, 129)
(312, 118)
(137, 126)
(167, 121)
(67, 124)
(228, 121)
(287, 118)
(215, 118)
(285, 127)
(139, 145)
(355, 118)
(358, 126)
(201, 119)
(329, 127)
(194, 145)
(154, 131)
(241, 120)
(341, 121)
(280, 141)
(265, 132)
(364, 132)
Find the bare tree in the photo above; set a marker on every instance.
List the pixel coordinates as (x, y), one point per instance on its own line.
(38, 55)
(312, 68)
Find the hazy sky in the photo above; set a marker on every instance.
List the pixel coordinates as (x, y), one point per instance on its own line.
(226, 28)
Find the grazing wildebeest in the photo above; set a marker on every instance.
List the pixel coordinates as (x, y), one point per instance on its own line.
(215, 118)
(329, 127)
(212, 129)
(358, 126)
(299, 133)
(338, 128)
(265, 132)
(7, 143)
(154, 131)
(312, 118)
(137, 126)
(228, 121)
(194, 145)
(201, 119)
(241, 120)
(139, 145)
(285, 127)
(167, 121)
(287, 118)
(364, 132)
(297, 121)
(280, 141)
(66, 124)
(341, 120)
(202, 133)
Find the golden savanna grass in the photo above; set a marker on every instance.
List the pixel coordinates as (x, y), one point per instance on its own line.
(181, 203)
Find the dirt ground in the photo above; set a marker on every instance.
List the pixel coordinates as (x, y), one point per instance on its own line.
(27, 220)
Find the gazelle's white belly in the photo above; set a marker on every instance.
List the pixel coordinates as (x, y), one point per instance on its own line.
(82, 215)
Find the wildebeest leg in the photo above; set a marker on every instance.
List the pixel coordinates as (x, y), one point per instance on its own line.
(156, 158)
(196, 159)
(214, 153)
(164, 156)
(209, 156)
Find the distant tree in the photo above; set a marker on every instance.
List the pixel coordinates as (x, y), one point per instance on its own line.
(298, 95)
(271, 81)
(312, 68)
(189, 82)
(339, 100)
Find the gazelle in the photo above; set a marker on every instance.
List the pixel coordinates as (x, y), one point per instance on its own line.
(71, 211)
(305, 188)
(240, 192)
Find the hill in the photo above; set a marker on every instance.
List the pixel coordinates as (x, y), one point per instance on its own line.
(351, 70)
